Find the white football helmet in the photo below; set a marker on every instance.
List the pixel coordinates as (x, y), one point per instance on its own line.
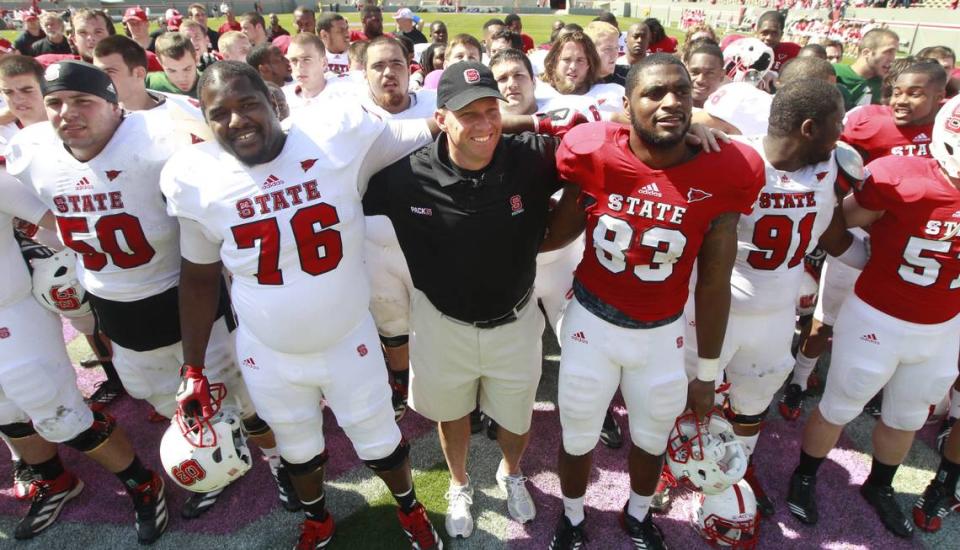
(729, 519)
(205, 454)
(945, 144)
(747, 60)
(56, 287)
(707, 455)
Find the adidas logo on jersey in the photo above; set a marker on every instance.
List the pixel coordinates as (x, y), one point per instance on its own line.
(83, 184)
(921, 138)
(250, 363)
(271, 181)
(651, 189)
(579, 336)
(956, 214)
(871, 338)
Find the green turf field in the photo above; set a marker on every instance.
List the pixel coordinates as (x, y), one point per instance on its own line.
(537, 26)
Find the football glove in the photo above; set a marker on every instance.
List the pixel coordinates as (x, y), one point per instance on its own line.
(193, 397)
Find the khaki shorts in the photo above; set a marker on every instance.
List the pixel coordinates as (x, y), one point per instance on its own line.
(453, 365)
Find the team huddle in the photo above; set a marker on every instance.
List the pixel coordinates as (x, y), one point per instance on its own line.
(393, 234)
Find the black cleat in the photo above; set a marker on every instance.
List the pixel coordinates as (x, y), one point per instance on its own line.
(107, 392)
(610, 434)
(791, 402)
(48, 500)
(288, 496)
(645, 535)
(874, 406)
(23, 478)
(933, 505)
(884, 501)
(802, 498)
(198, 503)
(567, 536)
(151, 510)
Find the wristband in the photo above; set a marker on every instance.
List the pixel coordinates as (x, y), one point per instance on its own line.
(856, 255)
(536, 124)
(707, 369)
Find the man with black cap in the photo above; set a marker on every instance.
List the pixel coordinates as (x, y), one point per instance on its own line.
(470, 212)
(97, 169)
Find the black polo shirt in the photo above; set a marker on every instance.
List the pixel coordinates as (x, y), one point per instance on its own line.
(470, 238)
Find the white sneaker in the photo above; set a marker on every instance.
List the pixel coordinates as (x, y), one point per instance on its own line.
(519, 502)
(459, 520)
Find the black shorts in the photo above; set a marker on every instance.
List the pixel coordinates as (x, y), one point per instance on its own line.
(150, 323)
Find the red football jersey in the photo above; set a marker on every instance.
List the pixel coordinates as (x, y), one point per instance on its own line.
(913, 273)
(645, 226)
(872, 129)
(785, 51)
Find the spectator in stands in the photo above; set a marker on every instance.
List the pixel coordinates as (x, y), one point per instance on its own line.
(231, 24)
(504, 39)
(179, 61)
(438, 32)
(372, 20)
(197, 35)
(253, 25)
(638, 40)
(813, 50)
(704, 62)
(491, 27)
(463, 47)
(31, 34)
(770, 32)
(137, 26)
(305, 19)
(270, 62)
(694, 34)
(834, 50)
(55, 42)
(90, 27)
(659, 41)
(234, 46)
(275, 30)
(606, 39)
(406, 28)
(572, 66)
(199, 14)
(514, 24)
(125, 62)
(334, 32)
(861, 82)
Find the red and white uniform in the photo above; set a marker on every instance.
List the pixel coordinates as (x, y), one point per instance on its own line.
(900, 330)
(37, 381)
(644, 229)
(785, 51)
(291, 231)
(742, 105)
(337, 85)
(111, 212)
(791, 212)
(605, 96)
(390, 283)
(338, 63)
(872, 130)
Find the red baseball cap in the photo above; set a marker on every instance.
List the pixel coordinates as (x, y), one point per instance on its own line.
(29, 15)
(5, 46)
(134, 13)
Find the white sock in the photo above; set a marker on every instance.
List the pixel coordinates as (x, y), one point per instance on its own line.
(573, 509)
(954, 403)
(272, 456)
(750, 442)
(802, 369)
(638, 506)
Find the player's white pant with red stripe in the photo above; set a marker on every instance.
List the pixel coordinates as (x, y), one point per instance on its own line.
(351, 375)
(598, 357)
(37, 381)
(554, 283)
(154, 375)
(390, 287)
(836, 283)
(755, 356)
(912, 363)
(454, 366)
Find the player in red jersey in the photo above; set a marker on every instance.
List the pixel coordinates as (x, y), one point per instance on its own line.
(903, 127)
(770, 32)
(649, 214)
(900, 330)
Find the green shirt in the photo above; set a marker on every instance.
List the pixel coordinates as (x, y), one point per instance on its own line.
(855, 89)
(159, 82)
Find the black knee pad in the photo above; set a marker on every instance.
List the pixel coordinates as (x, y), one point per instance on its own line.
(95, 435)
(744, 419)
(18, 430)
(394, 341)
(255, 426)
(804, 320)
(307, 467)
(392, 460)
